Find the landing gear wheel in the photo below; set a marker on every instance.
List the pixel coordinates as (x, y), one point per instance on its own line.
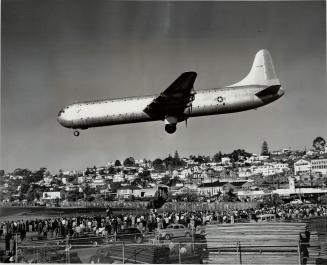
(76, 133)
(170, 128)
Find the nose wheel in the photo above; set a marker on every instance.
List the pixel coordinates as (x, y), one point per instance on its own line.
(76, 133)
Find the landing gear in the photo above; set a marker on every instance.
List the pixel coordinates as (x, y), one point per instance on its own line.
(76, 133)
(170, 128)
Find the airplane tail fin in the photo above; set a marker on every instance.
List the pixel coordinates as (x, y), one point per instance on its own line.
(261, 73)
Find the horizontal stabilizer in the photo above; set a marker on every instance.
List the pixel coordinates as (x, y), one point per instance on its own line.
(268, 91)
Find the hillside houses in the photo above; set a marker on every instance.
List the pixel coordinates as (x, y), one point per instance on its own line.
(249, 176)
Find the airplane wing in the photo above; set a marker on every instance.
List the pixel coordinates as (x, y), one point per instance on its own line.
(175, 99)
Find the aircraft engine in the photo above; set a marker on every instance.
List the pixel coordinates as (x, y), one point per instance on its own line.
(170, 124)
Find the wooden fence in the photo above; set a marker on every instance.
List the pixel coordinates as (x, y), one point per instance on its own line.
(206, 206)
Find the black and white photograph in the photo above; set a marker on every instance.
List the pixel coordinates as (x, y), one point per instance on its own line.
(163, 132)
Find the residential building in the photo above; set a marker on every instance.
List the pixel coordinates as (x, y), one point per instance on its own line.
(127, 190)
(211, 188)
(225, 161)
(302, 166)
(51, 195)
(244, 172)
(265, 170)
(292, 190)
(319, 166)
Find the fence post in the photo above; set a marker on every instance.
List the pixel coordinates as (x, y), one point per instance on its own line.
(16, 249)
(67, 250)
(179, 253)
(240, 251)
(123, 253)
(299, 252)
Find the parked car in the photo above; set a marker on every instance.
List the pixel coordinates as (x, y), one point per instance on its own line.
(296, 201)
(83, 241)
(130, 234)
(174, 230)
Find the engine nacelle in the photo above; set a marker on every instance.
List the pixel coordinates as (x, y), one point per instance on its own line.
(171, 120)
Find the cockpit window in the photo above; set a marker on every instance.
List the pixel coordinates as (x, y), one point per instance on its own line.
(60, 112)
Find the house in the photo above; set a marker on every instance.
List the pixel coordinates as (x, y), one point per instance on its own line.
(118, 178)
(211, 188)
(98, 181)
(280, 167)
(292, 190)
(265, 170)
(319, 166)
(244, 172)
(50, 197)
(150, 192)
(302, 166)
(124, 191)
(234, 185)
(251, 194)
(225, 160)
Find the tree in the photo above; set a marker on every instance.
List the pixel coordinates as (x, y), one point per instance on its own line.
(230, 196)
(71, 178)
(264, 149)
(158, 165)
(165, 180)
(237, 154)
(22, 172)
(117, 163)
(88, 192)
(129, 162)
(74, 195)
(217, 157)
(176, 161)
(319, 143)
(187, 195)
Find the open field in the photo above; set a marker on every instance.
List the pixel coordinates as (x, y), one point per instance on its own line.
(23, 213)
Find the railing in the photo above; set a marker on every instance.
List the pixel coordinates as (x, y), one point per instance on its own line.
(159, 252)
(206, 206)
(85, 204)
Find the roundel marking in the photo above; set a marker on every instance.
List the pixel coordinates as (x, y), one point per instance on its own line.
(220, 99)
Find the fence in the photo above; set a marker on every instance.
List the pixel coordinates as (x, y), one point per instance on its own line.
(205, 206)
(176, 252)
(86, 204)
(112, 204)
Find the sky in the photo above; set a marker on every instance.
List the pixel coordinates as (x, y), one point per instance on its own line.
(54, 53)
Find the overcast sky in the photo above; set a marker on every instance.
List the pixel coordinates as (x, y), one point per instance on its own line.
(57, 52)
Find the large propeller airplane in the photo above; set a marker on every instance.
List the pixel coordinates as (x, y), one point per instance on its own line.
(180, 101)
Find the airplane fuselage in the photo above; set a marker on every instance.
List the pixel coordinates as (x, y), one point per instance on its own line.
(179, 101)
(131, 110)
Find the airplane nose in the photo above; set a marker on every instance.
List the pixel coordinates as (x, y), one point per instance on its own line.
(60, 118)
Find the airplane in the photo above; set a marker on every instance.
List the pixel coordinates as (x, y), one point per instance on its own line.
(180, 101)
